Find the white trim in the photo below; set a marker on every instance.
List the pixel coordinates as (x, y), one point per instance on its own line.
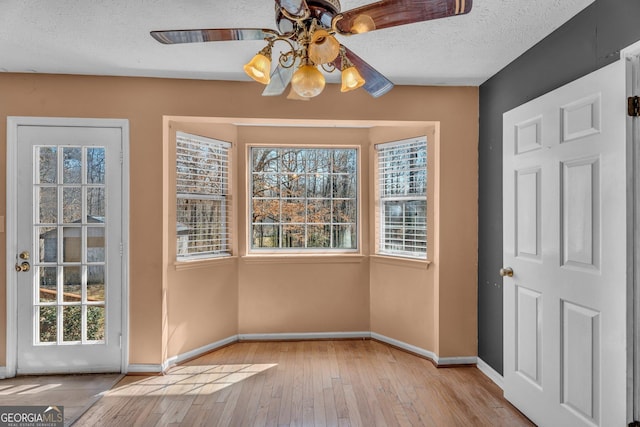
(303, 336)
(124, 298)
(172, 361)
(490, 372)
(144, 368)
(3, 372)
(439, 361)
(12, 247)
(631, 55)
(13, 122)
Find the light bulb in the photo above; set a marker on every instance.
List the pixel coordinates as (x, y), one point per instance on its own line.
(259, 68)
(307, 81)
(351, 79)
(324, 48)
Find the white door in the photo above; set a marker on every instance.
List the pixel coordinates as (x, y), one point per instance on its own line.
(565, 238)
(69, 237)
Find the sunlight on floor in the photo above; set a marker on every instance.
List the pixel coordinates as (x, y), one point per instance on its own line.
(190, 380)
(9, 389)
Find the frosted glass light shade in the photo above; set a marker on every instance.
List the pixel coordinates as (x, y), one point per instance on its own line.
(351, 79)
(259, 69)
(324, 48)
(362, 24)
(307, 81)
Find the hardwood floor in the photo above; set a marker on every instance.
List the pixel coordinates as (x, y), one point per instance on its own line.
(75, 392)
(316, 383)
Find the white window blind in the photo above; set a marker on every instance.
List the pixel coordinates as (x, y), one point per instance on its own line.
(202, 190)
(402, 186)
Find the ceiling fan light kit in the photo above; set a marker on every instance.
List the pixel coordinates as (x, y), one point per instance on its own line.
(309, 28)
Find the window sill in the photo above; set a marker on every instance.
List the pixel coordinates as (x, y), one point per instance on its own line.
(204, 263)
(304, 259)
(401, 261)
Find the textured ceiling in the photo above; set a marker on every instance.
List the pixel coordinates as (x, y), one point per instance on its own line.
(112, 38)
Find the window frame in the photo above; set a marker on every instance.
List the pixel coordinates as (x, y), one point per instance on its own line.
(304, 251)
(226, 199)
(380, 226)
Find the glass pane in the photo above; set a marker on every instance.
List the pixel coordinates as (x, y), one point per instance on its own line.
(72, 244)
(72, 284)
(72, 323)
(265, 236)
(344, 211)
(344, 236)
(293, 211)
(293, 185)
(48, 205)
(344, 186)
(95, 203)
(319, 211)
(95, 165)
(47, 244)
(292, 160)
(95, 323)
(319, 161)
(48, 325)
(48, 165)
(264, 159)
(319, 185)
(344, 161)
(266, 210)
(319, 236)
(95, 244)
(266, 185)
(72, 205)
(48, 284)
(95, 283)
(293, 236)
(72, 172)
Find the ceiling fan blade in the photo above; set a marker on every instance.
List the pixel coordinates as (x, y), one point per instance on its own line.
(375, 83)
(295, 8)
(211, 35)
(391, 13)
(280, 79)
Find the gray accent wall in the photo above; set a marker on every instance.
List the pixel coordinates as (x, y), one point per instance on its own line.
(592, 39)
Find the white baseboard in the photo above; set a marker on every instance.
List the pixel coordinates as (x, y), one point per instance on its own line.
(303, 336)
(174, 360)
(439, 361)
(491, 373)
(144, 368)
(192, 354)
(3, 372)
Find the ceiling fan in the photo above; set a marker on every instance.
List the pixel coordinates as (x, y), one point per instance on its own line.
(309, 27)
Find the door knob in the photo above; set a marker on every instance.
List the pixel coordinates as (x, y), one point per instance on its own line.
(506, 272)
(23, 267)
(24, 255)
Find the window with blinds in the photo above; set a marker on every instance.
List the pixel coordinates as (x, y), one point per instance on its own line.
(402, 187)
(202, 190)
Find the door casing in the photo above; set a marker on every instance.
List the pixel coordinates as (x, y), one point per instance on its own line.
(11, 227)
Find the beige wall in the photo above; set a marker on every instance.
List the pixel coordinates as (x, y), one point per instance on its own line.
(175, 309)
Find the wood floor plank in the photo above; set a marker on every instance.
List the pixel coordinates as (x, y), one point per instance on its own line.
(316, 383)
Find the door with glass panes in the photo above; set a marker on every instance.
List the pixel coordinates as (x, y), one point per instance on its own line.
(69, 239)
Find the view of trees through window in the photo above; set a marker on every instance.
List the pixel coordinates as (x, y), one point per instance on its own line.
(70, 206)
(304, 198)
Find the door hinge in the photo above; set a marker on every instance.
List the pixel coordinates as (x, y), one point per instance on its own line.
(121, 249)
(633, 106)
